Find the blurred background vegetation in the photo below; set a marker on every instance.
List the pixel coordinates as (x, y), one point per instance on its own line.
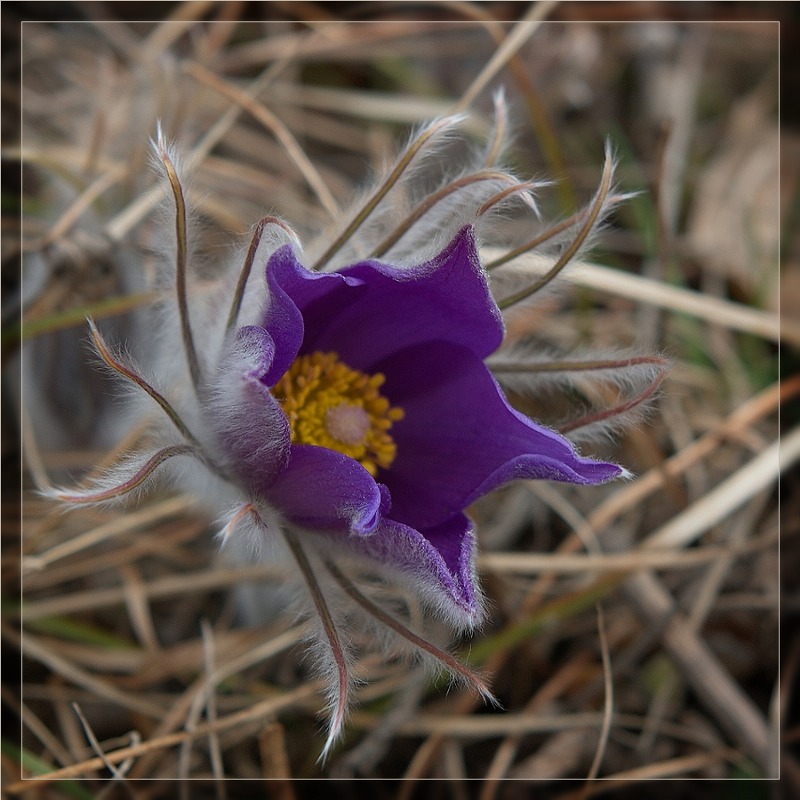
(119, 612)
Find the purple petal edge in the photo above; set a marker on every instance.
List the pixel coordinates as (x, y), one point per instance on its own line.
(249, 424)
(326, 490)
(439, 562)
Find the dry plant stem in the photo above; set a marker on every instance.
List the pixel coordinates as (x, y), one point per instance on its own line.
(495, 145)
(113, 306)
(172, 507)
(758, 474)
(139, 610)
(168, 586)
(32, 647)
(408, 156)
(633, 561)
(537, 111)
(570, 252)
(117, 365)
(32, 454)
(270, 121)
(736, 316)
(760, 406)
(181, 20)
(81, 204)
(408, 693)
(743, 417)
(268, 707)
(442, 656)
(211, 712)
(122, 223)
(181, 243)
(119, 774)
(608, 709)
(188, 706)
(36, 726)
(519, 34)
(702, 605)
(554, 687)
(715, 688)
(672, 768)
(275, 764)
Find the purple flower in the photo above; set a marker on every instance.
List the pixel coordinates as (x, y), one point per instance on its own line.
(354, 420)
(363, 410)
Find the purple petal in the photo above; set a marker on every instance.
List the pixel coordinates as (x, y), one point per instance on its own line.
(440, 562)
(247, 420)
(288, 282)
(372, 309)
(460, 438)
(327, 490)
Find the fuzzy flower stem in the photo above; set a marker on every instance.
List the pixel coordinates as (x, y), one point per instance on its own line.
(500, 196)
(331, 634)
(484, 175)
(408, 156)
(576, 366)
(568, 254)
(550, 233)
(442, 656)
(241, 284)
(180, 261)
(136, 480)
(621, 408)
(128, 373)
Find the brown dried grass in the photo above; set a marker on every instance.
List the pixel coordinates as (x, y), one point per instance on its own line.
(133, 666)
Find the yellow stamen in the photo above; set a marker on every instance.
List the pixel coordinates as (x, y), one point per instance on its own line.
(331, 405)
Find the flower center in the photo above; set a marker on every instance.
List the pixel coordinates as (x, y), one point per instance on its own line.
(331, 405)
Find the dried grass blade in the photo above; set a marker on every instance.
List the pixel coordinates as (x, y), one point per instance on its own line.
(729, 495)
(272, 705)
(293, 149)
(519, 34)
(608, 701)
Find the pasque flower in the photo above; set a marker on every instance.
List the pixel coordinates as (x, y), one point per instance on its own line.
(362, 407)
(345, 412)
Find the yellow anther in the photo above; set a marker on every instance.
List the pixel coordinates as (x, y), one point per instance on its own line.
(331, 405)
